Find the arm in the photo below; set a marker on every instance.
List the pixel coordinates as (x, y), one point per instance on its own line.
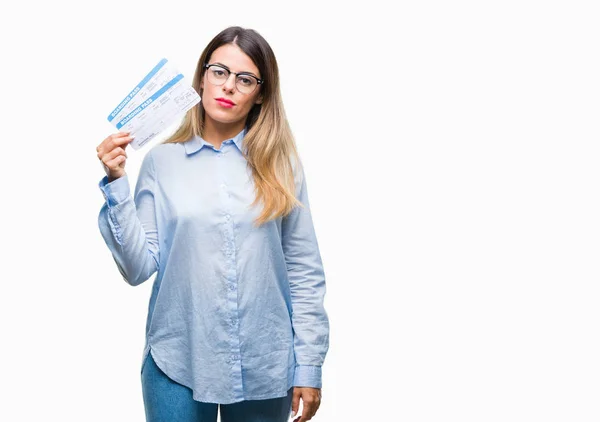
(128, 225)
(307, 283)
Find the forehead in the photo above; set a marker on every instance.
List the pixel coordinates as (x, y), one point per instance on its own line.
(234, 58)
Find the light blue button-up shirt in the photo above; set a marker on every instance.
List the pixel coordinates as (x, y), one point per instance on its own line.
(236, 311)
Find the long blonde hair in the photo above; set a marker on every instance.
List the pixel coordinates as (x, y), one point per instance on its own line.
(269, 145)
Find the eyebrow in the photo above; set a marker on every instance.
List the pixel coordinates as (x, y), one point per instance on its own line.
(242, 73)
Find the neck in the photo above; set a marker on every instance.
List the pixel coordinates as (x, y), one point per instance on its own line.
(216, 132)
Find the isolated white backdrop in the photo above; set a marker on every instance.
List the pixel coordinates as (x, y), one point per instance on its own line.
(451, 151)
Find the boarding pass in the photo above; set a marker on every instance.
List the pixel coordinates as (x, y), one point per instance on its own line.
(161, 97)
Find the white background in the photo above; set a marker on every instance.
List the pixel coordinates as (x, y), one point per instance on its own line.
(451, 151)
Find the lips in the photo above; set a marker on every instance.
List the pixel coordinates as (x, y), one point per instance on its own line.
(225, 100)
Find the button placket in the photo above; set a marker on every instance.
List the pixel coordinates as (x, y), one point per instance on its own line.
(230, 278)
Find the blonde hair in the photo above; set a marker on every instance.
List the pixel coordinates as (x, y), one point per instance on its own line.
(269, 145)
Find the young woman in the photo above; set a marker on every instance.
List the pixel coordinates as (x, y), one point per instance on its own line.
(220, 212)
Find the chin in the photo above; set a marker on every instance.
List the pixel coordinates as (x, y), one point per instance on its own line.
(218, 115)
(222, 116)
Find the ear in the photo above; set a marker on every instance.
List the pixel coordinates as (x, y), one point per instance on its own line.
(259, 99)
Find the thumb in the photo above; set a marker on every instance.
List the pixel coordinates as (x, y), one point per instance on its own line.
(295, 401)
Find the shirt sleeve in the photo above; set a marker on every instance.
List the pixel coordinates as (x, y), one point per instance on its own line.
(307, 283)
(128, 225)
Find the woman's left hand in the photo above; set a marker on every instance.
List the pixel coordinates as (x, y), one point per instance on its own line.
(311, 400)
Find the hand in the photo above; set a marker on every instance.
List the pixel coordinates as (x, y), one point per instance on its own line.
(311, 400)
(112, 155)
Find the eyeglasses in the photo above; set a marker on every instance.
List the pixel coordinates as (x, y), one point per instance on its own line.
(245, 83)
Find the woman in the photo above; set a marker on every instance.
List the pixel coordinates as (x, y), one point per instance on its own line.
(220, 212)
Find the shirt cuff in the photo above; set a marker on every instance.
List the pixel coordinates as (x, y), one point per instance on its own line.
(307, 376)
(116, 191)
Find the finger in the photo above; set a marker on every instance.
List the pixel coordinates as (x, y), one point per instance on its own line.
(308, 411)
(315, 408)
(299, 416)
(111, 143)
(114, 163)
(121, 141)
(120, 134)
(113, 154)
(295, 401)
(114, 136)
(311, 405)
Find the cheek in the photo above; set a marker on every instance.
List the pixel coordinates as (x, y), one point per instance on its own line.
(205, 91)
(246, 106)
(207, 95)
(249, 102)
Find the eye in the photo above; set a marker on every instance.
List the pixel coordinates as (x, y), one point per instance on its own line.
(246, 81)
(218, 72)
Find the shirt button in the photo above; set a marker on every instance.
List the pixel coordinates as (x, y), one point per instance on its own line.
(227, 217)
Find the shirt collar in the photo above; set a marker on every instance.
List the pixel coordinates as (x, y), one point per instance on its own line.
(196, 143)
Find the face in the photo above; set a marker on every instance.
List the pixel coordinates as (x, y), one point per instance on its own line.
(234, 59)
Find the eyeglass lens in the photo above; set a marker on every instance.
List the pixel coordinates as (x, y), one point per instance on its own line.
(218, 75)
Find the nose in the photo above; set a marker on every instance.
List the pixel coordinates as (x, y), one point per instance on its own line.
(229, 84)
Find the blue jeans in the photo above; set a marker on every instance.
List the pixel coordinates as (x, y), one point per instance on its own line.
(167, 401)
